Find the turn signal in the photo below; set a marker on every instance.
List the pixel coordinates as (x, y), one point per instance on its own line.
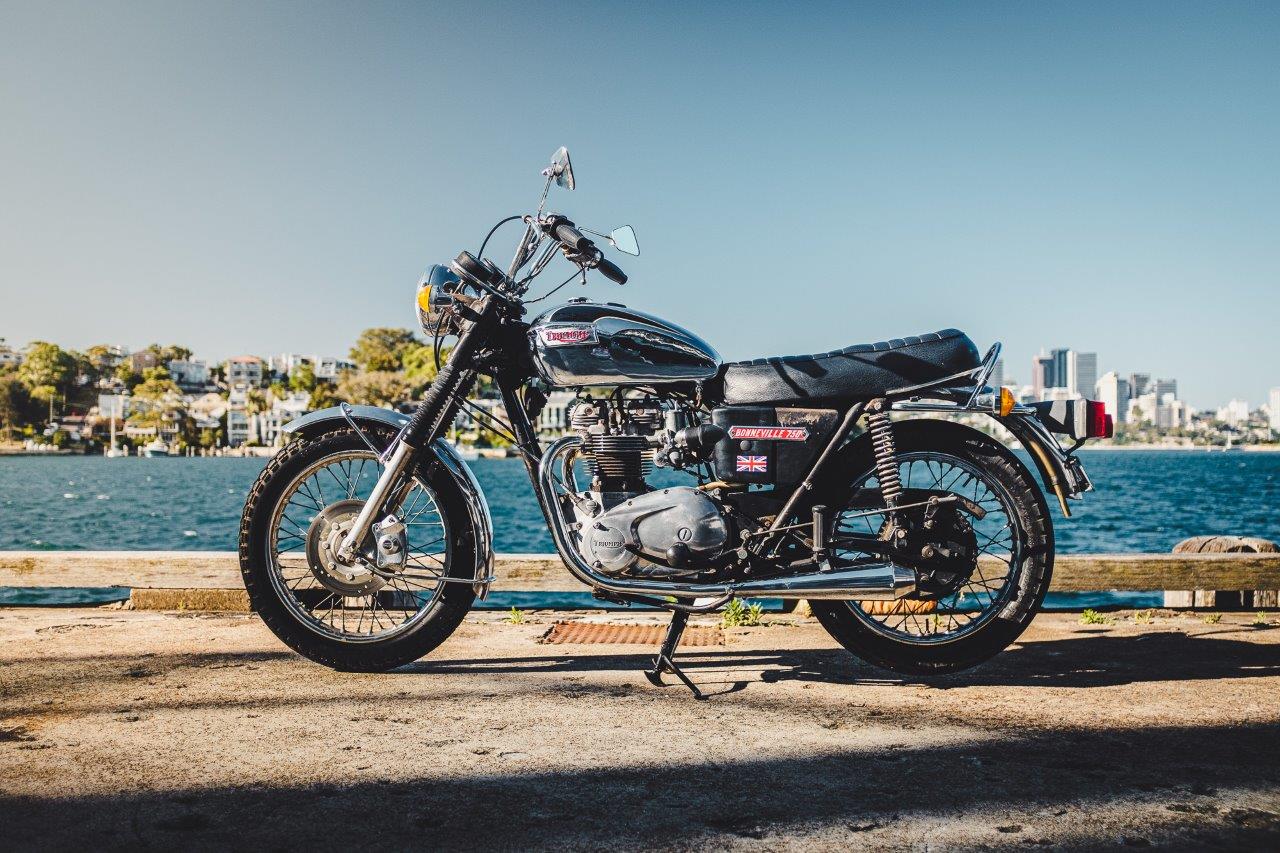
(1006, 402)
(424, 299)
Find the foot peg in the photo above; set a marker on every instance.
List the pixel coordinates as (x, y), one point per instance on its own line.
(663, 662)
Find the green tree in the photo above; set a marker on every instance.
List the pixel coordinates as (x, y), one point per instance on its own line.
(382, 349)
(303, 378)
(169, 353)
(156, 386)
(376, 388)
(48, 371)
(15, 405)
(420, 366)
(323, 397)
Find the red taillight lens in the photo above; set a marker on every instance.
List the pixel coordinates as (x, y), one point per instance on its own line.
(1100, 424)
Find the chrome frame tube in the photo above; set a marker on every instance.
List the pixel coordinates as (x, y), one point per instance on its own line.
(874, 581)
(381, 490)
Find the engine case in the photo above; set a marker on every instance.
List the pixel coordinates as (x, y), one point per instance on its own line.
(651, 524)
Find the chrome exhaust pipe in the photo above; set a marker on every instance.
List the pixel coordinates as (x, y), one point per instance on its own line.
(875, 581)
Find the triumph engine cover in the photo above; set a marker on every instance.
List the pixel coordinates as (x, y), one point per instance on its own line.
(653, 524)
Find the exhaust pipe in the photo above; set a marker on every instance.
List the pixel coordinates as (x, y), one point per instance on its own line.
(876, 581)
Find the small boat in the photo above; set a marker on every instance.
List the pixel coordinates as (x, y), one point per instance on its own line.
(155, 448)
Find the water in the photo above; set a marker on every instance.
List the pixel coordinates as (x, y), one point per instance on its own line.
(1146, 501)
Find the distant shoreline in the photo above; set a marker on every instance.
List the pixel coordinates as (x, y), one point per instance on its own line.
(1196, 448)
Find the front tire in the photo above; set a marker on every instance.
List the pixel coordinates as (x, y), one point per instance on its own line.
(917, 646)
(287, 585)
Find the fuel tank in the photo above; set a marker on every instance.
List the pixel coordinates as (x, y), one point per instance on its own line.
(603, 344)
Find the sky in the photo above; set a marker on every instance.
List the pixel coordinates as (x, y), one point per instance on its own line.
(266, 177)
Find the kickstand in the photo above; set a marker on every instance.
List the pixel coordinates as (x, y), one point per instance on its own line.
(663, 662)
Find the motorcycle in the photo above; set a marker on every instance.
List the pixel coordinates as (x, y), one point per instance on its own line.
(923, 545)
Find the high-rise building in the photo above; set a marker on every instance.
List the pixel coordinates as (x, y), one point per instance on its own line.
(1041, 374)
(1061, 368)
(1274, 405)
(1084, 372)
(997, 374)
(1165, 388)
(1113, 391)
(1139, 384)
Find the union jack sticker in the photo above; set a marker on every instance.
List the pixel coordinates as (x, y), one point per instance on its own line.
(753, 463)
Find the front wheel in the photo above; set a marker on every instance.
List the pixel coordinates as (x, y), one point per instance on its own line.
(967, 608)
(354, 617)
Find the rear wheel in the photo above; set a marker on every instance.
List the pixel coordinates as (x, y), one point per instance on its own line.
(969, 607)
(353, 617)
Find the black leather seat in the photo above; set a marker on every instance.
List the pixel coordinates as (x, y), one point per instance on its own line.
(859, 372)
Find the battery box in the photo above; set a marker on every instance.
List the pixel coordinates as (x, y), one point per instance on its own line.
(770, 445)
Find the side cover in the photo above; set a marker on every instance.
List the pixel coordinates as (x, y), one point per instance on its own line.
(325, 420)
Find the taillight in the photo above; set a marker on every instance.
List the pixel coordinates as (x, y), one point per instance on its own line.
(1098, 423)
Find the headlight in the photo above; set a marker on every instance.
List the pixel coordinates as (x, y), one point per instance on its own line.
(435, 300)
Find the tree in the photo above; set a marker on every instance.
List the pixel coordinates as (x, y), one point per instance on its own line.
(303, 378)
(169, 353)
(376, 388)
(156, 386)
(382, 349)
(48, 371)
(15, 405)
(420, 366)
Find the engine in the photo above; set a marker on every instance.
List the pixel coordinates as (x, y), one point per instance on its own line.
(622, 519)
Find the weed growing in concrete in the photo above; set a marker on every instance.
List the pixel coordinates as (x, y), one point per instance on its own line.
(515, 617)
(739, 614)
(1212, 618)
(1260, 620)
(1144, 617)
(1093, 617)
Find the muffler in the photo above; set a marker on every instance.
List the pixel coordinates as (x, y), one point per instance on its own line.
(866, 582)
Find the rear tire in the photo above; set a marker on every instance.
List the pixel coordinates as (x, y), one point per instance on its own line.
(442, 616)
(1029, 513)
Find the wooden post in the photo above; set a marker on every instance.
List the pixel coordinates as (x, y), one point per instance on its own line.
(1223, 599)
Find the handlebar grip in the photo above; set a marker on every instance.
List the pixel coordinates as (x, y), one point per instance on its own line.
(612, 271)
(572, 237)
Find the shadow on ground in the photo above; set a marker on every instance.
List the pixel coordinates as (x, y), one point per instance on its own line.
(1085, 660)
(1178, 774)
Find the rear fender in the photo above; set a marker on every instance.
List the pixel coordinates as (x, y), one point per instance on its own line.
(1062, 474)
(332, 419)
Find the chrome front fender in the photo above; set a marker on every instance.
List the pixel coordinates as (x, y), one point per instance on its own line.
(328, 420)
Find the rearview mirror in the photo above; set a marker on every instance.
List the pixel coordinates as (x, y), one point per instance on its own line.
(624, 240)
(562, 169)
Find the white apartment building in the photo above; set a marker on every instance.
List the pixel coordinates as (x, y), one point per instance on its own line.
(1274, 405)
(189, 374)
(1113, 390)
(244, 370)
(326, 367)
(1234, 413)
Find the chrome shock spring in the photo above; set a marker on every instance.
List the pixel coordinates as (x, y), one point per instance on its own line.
(886, 457)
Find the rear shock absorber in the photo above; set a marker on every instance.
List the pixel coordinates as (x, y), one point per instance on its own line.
(886, 456)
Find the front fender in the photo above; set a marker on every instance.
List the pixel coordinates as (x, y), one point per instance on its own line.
(327, 420)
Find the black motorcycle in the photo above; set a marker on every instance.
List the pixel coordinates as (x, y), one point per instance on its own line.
(923, 545)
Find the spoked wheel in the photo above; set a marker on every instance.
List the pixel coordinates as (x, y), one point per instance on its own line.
(373, 613)
(983, 561)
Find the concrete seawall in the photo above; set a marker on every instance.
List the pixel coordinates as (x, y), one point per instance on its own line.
(210, 580)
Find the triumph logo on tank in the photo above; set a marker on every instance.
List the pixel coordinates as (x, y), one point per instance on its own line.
(756, 464)
(560, 336)
(769, 433)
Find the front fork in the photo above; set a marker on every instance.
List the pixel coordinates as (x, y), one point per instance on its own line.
(429, 422)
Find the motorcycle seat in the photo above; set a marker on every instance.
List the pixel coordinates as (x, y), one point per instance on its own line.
(858, 372)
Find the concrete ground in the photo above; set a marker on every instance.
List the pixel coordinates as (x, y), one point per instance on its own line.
(128, 730)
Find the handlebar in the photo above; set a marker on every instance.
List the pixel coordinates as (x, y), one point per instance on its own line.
(562, 229)
(611, 271)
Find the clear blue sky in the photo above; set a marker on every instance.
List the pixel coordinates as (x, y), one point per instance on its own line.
(268, 176)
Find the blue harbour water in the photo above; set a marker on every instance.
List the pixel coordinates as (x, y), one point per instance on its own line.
(1145, 501)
